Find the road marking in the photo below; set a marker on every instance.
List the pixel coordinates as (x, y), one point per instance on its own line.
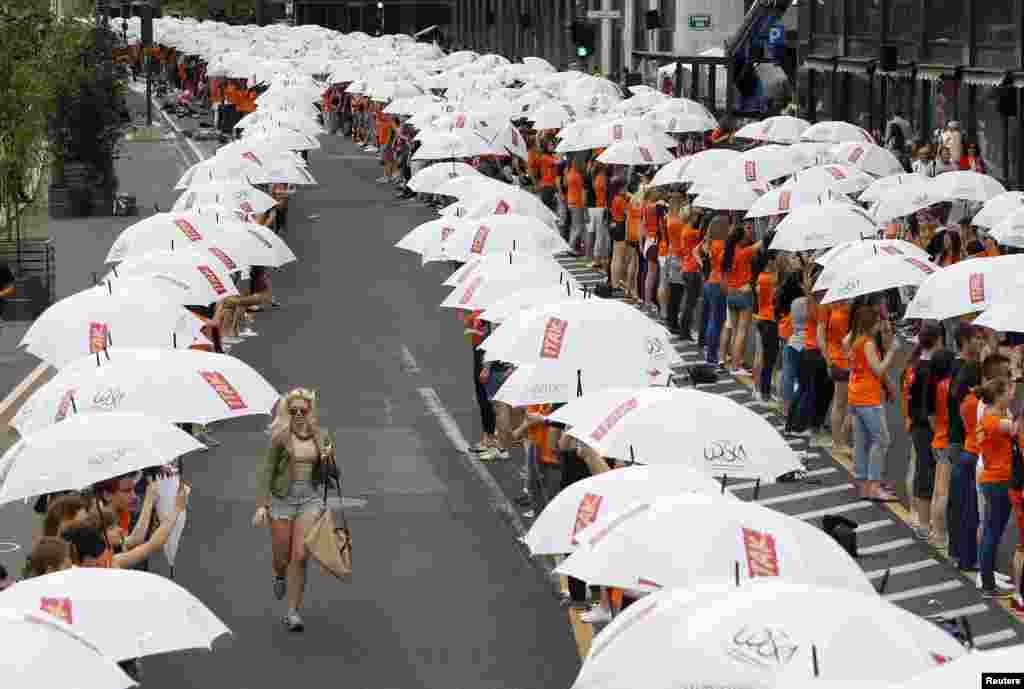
(886, 547)
(965, 612)
(995, 637)
(920, 591)
(9, 547)
(409, 361)
(902, 569)
(872, 526)
(389, 411)
(839, 509)
(750, 484)
(805, 494)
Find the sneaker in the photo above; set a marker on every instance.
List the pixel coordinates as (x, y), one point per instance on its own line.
(280, 586)
(381, 180)
(996, 594)
(502, 453)
(293, 621)
(231, 339)
(248, 332)
(806, 433)
(529, 514)
(203, 435)
(596, 615)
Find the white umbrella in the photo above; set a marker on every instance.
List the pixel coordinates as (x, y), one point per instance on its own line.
(484, 289)
(92, 320)
(738, 197)
(551, 116)
(1003, 317)
(505, 200)
(180, 386)
(529, 298)
(435, 232)
(873, 192)
(1009, 231)
(905, 199)
(633, 153)
(260, 244)
(41, 650)
(967, 287)
(694, 167)
(638, 547)
(580, 334)
(967, 185)
(841, 261)
(878, 274)
(779, 129)
(235, 169)
(765, 163)
(159, 231)
(429, 179)
(868, 157)
(839, 178)
(86, 449)
(457, 144)
(234, 195)
(484, 264)
(593, 500)
(968, 670)
(998, 208)
(683, 123)
(820, 227)
(283, 171)
(766, 633)
(104, 605)
(710, 433)
(207, 278)
(782, 200)
(836, 132)
(500, 234)
(554, 382)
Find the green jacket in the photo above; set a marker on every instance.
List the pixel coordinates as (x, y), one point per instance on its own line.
(275, 480)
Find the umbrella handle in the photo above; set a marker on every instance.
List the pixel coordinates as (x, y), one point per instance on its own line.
(814, 660)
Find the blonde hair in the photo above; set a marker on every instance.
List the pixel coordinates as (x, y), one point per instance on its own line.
(280, 427)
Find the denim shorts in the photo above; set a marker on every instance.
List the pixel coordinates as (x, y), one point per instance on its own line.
(740, 301)
(303, 498)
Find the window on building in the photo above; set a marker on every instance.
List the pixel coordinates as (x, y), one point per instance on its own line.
(946, 20)
(640, 10)
(989, 134)
(864, 17)
(858, 100)
(904, 20)
(828, 17)
(994, 21)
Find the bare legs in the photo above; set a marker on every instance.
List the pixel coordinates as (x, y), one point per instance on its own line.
(288, 542)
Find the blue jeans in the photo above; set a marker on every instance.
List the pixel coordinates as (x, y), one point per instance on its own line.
(790, 372)
(996, 519)
(715, 300)
(870, 442)
(963, 505)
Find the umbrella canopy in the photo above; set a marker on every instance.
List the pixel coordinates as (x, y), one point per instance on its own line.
(431, 178)
(785, 200)
(179, 386)
(104, 605)
(40, 650)
(867, 157)
(159, 231)
(967, 185)
(841, 261)
(433, 232)
(880, 273)
(502, 280)
(710, 433)
(967, 287)
(554, 382)
(904, 199)
(998, 208)
(838, 178)
(821, 227)
(1010, 230)
(781, 129)
(637, 548)
(694, 167)
(203, 274)
(635, 153)
(499, 234)
(765, 633)
(967, 670)
(873, 192)
(594, 499)
(530, 298)
(836, 132)
(1004, 317)
(86, 449)
(484, 264)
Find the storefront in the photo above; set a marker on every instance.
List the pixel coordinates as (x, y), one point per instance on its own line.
(932, 61)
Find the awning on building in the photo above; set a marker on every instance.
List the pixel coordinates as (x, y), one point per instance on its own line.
(858, 66)
(935, 72)
(979, 76)
(819, 63)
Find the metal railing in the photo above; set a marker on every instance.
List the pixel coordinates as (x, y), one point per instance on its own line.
(34, 265)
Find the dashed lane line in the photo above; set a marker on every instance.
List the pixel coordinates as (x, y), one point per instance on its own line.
(838, 509)
(409, 361)
(995, 638)
(886, 547)
(747, 485)
(921, 591)
(908, 568)
(806, 494)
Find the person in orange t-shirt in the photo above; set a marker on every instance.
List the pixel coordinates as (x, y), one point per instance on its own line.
(836, 322)
(576, 202)
(672, 245)
(542, 463)
(737, 263)
(714, 295)
(938, 416)
(867, 375)
(765, 284)
(618, 235)
(549, 175)
(533, 160)
(634, 235)
(597, 210)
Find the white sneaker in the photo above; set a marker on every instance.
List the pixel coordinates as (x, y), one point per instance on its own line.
(293, 621)
(596, 615)
(248, 332)
(231, 339)
(1003, 582)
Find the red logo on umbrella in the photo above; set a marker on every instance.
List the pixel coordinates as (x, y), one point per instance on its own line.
(837, 173)
(891, 250)
(977, 286)
(211, 277)
(250, 156)
(224, 258)
(65, 405)
(460, 121)
(646, 155)
(762, 556)
(617, 133)
(187, 229)
(246, 206)
(446, 232)
(589, 507)
(940, 659)
(480, 239)
(785, 198)
(855, 154)
(224, 390)
(467, 296)
(750, 170)
(98, 337)
(502, 208)
(647, 582)
(554, 338)
(58, 607)
(613, 418)
(926, 268)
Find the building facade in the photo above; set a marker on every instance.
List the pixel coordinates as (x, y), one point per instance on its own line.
(935, 61)
(375, 16)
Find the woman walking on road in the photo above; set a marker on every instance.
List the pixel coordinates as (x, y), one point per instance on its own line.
(291, 493)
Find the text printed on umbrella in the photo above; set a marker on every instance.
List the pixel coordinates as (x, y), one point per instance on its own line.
(763, 647)
(554, 338)
(224, 390)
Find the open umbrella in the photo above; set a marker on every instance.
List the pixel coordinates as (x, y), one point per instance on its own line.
(836, 132)
(594, 499)
(998, 208)
(781, 129)
(484, 264)
(878, 274)
(838, 178)
(966, 185)
(1010, 230)
(784, 200)
(555, 382)
(694, 167)
(904, 199)
(873, 192)
(1003, 317)
(502, 280)
(968, 670)
(499, 234)
(104, 605)
(967, 287)
(635, 153)
(842, 260)
(429, 179)
(204, 274)
(638, 547)
(820, 227)
(868, 157)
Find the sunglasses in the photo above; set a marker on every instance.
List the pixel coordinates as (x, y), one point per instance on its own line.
(299, 411)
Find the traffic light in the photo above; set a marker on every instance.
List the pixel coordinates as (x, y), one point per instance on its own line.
(583, 38)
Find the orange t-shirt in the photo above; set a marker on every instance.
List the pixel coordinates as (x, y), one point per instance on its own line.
(574, 188)
(651, 220)
(619, 205)
(838, 325)
(472, 320)
(635, 214)
(906, 381)
(742, 271)
(811, 329)
(996, 448)
(538, 434)
(940, 439)
(766, 283)
(600, 190)
(691, 240)
(717, 253)
(865, 388)
(549, 171)
(786, 327)
(533, 163)
(674, 228)
(969, 415)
